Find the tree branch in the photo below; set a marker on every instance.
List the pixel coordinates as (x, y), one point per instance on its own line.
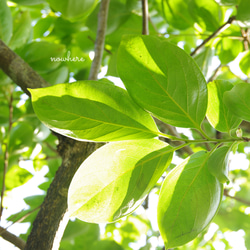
(145, 17)
(47, 223)
(100, 39)
(18, 70)
(220, 29)
(10, 237)
(236, 198)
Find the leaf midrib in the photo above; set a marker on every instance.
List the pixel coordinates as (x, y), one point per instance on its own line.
(104, 122)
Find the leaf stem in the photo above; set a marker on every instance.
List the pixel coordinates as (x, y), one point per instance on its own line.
(205, 140)
(226, 193)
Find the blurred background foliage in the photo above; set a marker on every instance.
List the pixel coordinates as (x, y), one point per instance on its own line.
(40, 31)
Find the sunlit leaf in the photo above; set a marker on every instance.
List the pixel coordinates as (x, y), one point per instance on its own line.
(218, 113)
(245, 62)
(163, 79)
(218, 163)
(228, 49)
(238, 101)
(16, 176)
(206, 13)
(116, 178)
(189, 199)
(91, 110)
(79, 235)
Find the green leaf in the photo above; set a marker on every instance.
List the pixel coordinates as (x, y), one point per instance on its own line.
(43, 25)
(189, 199)
(218, 163)
(228, 49)
(22, 30)
(206, 13)
(90, 110)
(16, 177)
(34, 201)
(245, 62)
(57, 76)
(21, 137)
(243, 13)
(238, 101)
(163, 79)
(176, 13)
(83, 229)
(73, 8)
(5, 22)
(28, 2)
(204, 59)
(79, 235)
(116, 178)
(218, 114)
(42, 56)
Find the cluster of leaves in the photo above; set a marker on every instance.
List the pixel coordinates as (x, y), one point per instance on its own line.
(161, 80)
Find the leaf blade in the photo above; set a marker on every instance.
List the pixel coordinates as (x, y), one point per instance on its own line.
(115, 179)
(186, 205)
(163, 79)
(89, 110)
(218, 163)
(218, 113)
(238, 102)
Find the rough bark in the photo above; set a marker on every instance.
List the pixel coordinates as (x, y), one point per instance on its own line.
(54, 206)
(18, 70)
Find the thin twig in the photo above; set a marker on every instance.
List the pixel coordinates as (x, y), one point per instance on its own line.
(220, 29)
(10, 237)
(23, 217)
(246, 202)
(145, 30)
(100, 39)
(174, 132)
(212, 77)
